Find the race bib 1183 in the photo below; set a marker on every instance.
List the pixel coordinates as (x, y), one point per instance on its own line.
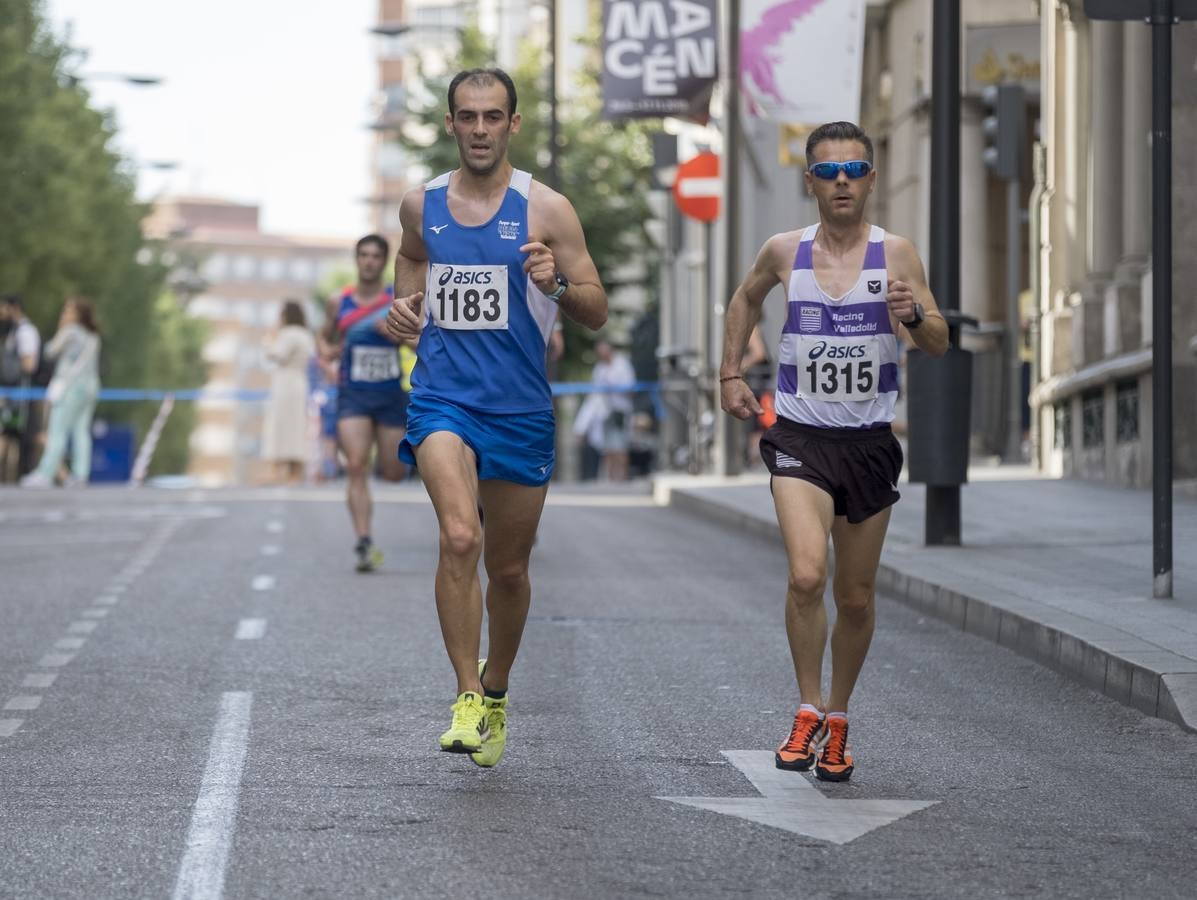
(838, 369)
(468, 298)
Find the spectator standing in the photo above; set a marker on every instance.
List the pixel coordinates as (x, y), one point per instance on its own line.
(604, 417)
(71, 394)
(285, 429)
(20, 356)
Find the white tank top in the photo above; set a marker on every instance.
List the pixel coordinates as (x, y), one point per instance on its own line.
(838, 357)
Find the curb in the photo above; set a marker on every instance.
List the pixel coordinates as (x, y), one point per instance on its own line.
(1171, 696)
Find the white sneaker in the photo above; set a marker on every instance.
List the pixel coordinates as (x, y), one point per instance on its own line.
(36, 480)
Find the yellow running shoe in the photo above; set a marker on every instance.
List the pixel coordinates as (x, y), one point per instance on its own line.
(469, 725)
(496, 723)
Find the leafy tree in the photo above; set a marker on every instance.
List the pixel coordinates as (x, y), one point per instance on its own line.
(70, 224)
(604, 167)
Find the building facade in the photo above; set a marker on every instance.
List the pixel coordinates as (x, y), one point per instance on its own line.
(242, 277)
(1092, 399)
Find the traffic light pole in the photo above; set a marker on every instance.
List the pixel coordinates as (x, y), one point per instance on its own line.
(1013, 320)
(1161, 296)
(942, 517)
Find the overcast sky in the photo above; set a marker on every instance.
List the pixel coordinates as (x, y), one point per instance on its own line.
(263, 101)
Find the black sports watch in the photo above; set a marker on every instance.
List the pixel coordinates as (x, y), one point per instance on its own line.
(919, 315)
(562, 284)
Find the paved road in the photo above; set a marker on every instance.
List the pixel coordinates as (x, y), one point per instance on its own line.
(170, 757)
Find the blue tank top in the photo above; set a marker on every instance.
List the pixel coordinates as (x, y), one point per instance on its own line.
(369, 361)
(486, 325)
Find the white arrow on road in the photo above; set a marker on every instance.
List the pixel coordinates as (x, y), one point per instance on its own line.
(792, 803)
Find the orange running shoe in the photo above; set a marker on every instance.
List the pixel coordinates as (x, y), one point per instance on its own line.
(835, 762)
(808, 734)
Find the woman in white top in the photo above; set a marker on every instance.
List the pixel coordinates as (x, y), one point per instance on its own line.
(72, 394)
(285, 438)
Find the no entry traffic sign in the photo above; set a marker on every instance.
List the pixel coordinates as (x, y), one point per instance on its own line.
(697, 188)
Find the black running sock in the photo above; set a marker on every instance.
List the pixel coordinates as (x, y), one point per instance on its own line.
(494, 695)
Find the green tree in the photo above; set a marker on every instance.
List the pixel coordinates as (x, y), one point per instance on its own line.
(605, 168)
(70, 224)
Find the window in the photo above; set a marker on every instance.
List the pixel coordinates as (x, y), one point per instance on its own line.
(1064, 426)
(215, 267)
(1126, 405)
(392, 161)
(1093, 419)
(244, 267)
(302, 270)
(273, 268)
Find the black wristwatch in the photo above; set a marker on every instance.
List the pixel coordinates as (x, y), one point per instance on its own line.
(562, 284)
(919, 315)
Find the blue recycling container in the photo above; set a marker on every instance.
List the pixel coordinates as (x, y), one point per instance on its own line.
(112, 451)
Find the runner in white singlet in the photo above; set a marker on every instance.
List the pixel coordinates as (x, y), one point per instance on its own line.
(850, 287)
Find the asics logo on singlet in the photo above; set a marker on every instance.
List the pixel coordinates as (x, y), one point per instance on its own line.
(456, 277)
(837, 351)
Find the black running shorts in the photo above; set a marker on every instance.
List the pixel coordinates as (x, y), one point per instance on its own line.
(858, 467)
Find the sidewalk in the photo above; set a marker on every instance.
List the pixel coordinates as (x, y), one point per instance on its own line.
(1057, 570)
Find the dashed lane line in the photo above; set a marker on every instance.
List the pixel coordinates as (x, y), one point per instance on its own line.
(23, 703)
(250, 629)
(41, 680)
(214, 818)
(263, 583)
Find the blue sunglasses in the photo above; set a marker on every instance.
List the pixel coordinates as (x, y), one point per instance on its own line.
(830, 171)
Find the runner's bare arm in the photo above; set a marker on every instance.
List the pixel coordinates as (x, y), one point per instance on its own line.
(743, 313)
(558, 245)
(406, 318)
(907, 286)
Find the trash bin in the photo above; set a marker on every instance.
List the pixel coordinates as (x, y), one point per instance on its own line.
(111, 452)
(938, 410)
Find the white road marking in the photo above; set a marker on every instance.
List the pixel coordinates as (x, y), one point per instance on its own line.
(39, 679)
(108, 599)
(275, 526)
(792, 803)
(8, 727)
(23, 703)
(250, 629)
(94, 613)
(271, 549)
(214, 819)
(55, 660)
(82, 627)
(263, 583)
(69, 643)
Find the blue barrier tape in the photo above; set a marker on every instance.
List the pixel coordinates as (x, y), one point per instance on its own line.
(560, 389)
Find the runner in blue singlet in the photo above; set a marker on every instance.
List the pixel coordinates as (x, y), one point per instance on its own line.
(371, 402)
(488, 257)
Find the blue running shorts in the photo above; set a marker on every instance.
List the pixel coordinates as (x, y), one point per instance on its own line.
(515, 447)
(386, 408)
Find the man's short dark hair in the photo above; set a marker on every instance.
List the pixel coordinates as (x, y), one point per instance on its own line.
(838, 131)
(482, 78)
(373, 239)
(12, 300)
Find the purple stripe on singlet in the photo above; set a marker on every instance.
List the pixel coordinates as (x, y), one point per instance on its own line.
(850, 320)
(802, 259)
(787, 379)
(887, 378)
(875, 255)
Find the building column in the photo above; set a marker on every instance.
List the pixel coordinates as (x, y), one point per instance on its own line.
(1136, 143)
(1106, 151)
(1105, 174)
